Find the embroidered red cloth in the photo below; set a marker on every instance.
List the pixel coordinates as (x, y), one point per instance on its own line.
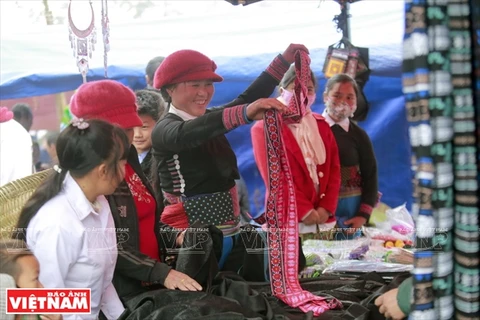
(281, 209)
(146, 206)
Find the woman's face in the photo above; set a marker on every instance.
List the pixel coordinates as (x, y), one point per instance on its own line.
(192, 97)
(310, 87)
(341, 101)
(110, 180)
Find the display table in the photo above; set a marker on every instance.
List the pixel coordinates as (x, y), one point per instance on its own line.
(357, 256)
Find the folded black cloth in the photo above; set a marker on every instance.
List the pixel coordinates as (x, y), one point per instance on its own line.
(226, 295)
(229, 297)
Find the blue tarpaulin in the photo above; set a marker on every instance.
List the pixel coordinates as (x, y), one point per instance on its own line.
(34, 64)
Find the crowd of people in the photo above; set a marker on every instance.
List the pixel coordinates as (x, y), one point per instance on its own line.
(157, 165)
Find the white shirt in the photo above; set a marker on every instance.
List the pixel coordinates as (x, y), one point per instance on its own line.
(345, 123)
(182, 114)
(76, 248)
(15, 152)
(142, 156)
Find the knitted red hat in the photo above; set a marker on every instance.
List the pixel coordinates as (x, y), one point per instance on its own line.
(107, 100)
(185, 65)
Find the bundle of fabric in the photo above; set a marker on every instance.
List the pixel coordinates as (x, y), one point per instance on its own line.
(227, 295)
(232, 298)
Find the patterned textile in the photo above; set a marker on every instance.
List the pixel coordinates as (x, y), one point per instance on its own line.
(466, 239)
(351, 182)
(220, 209)
(281, 212)
(439, 99)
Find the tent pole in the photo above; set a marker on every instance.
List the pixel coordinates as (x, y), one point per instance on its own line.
(346, 14)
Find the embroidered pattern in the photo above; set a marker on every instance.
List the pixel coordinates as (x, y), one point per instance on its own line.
(234, 117)
(281, 209)
(278, 67)
(351, 181)
(138, 189)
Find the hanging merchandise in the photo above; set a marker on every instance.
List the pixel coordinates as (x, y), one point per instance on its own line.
(344, 57)
(83, 41)
(242, 2)
(106, 35)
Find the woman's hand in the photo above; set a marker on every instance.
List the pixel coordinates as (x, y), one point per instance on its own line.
(311, 218)
(354, 224)
(179, 280)
(323, 215)
(289, 54)
(318, 216)
(387, 305)
(256, 109)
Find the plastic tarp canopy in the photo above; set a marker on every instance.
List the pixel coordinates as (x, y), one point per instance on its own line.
(40, 62)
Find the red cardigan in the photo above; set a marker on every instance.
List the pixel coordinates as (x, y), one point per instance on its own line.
(329, 172)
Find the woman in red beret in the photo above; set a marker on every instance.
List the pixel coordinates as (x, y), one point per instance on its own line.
(195, 163)
(141, 244)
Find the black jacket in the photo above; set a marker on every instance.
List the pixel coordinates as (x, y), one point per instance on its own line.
(146, 165)
(194, 157)
(133, 267)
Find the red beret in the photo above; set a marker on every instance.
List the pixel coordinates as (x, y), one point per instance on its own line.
(106, 100)
(185, 65)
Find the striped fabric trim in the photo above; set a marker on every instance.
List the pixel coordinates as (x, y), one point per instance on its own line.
(234, 117)
(137, 260)
(366, 209)
(350, 193)
(230, 230)
(278, 67)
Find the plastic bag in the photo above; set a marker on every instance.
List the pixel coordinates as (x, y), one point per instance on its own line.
(399, 225)
(358, 266)
(399, 220)
(338, 250)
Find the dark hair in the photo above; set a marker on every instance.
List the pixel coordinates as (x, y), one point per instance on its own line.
(150, 103)
(341, 78)
(152, 66)
(51, 137)
(79, 151)
(290, 76)
(165, 95)
(10, 251)
(22, 111)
